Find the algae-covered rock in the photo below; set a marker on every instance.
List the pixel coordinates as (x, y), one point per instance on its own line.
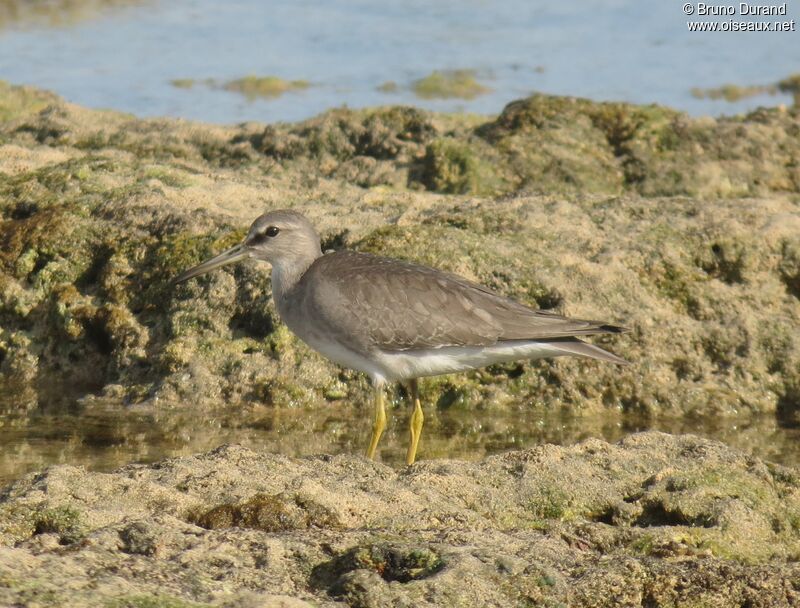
(564, 142)
(791, 85)
(594, 524)
(457, 167)
(733, 92)
(449, 84)
(58, 13)
(100, 210)
(550, 144)
(254, 87)
(366, 147)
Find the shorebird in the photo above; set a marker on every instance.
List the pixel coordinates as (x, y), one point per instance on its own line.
(395, 320)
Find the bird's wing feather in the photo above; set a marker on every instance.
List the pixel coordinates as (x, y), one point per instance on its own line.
(395, 305)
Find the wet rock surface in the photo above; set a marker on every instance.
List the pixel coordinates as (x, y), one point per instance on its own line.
(656, 520)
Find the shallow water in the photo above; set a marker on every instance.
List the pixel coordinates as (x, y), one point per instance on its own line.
(123, 54)
(102, 436)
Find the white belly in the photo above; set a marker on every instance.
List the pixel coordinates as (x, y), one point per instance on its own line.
(402, 365)
(344, 356)
(451, 359)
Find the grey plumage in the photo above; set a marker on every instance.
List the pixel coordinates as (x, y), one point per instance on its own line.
(396, 320)
(393, 305)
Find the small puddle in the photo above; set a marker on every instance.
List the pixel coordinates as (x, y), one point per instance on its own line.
(103, 436)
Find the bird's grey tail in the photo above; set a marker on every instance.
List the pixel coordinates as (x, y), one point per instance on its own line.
(578, 348)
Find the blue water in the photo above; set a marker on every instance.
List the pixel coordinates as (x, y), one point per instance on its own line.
(632, 50)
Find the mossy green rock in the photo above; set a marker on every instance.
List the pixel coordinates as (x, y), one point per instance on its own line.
(449, 84)
(561, 203)
(254, 87)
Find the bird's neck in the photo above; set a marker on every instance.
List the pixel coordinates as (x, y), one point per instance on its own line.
(286, 274)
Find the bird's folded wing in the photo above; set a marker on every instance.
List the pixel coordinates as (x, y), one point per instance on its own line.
(396, 305)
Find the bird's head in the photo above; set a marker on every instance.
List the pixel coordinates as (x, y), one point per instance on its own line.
(282, 238)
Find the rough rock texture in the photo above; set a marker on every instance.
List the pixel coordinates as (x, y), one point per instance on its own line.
(686, 230)
(656, 520)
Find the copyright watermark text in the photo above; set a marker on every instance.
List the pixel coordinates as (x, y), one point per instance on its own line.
(745, 17)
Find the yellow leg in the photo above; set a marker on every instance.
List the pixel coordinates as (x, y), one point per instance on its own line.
(379, 424)
(415, 425)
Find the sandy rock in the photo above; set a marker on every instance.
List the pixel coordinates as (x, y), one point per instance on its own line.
(656, 520)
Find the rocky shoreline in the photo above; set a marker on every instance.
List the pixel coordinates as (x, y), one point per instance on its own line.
(686, 230)
(656, 520)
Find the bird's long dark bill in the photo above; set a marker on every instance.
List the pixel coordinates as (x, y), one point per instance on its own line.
(234, 254)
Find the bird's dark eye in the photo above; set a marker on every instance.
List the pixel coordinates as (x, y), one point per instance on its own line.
(272, 231)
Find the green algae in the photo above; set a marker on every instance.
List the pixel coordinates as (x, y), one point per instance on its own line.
(60, 13)
(16, 101)
(733, 92)
(90, 244)
(791, 85)
(270, 513)
(20, 522)
(250, 87)
(455, 167)
(366, 147)
(255, 87)
(64, 521)
(552, 503)
(396, 564)
(152, 601)
(390, 86)
(382, 133)
(183, 83)
(38, 594)
(449, 84)
(702, 506)
(789, 266)
(172, 178)
(184, 250)
(392, 561)
(648, 147)
(546, 144)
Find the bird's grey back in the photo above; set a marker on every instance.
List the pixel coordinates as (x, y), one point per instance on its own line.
(370, 302)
